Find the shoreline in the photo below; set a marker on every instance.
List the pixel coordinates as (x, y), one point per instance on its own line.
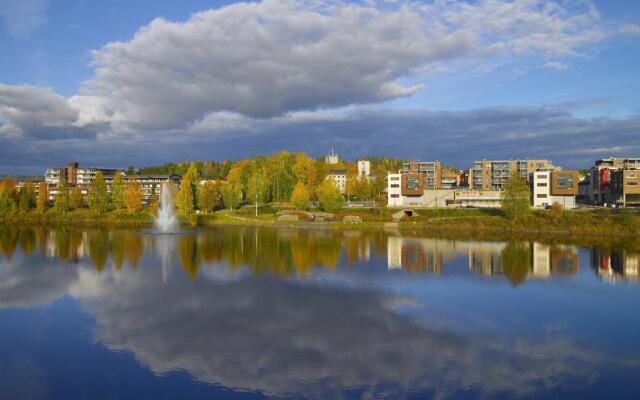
(463, 226)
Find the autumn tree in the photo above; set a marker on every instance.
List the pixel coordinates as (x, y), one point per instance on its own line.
(98, 197)
(133, 196)
(208, 196)
(184, 198)
(557, 211)
(27, 197)
(43, 197)
(7, 197)
(61, 201)
(193, 178)
(231, 195)
(516, 199)
(300, 196)
(75, 198)
(117, 191)
(257, 187)
(329, 196)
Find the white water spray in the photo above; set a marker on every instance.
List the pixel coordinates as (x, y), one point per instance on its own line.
(166, 220)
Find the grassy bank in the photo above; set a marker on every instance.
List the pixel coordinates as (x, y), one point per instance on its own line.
(458, 221)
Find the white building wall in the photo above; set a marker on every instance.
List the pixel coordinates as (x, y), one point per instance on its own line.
(394, 191)
(542, 189)
(364, 168)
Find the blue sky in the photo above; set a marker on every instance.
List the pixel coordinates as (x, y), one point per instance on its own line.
(451, 80)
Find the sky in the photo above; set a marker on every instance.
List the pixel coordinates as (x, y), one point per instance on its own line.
(117, 83)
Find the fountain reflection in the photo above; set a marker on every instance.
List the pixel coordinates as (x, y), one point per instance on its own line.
(294, 252)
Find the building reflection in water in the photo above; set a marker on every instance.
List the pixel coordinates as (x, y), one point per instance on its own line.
(287, 252)
(486, 258)
(615, 265)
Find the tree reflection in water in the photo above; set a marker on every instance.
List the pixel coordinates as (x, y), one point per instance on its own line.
(296, 252)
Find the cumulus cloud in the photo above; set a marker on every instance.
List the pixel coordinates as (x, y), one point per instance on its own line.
(267, 59)
(22, 17)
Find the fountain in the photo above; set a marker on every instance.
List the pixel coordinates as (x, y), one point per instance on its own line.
(166, 221)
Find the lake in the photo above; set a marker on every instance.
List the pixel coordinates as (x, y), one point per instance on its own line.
(244, 313)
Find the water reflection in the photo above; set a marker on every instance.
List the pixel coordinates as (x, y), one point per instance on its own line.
(287, 252)
(323, 314)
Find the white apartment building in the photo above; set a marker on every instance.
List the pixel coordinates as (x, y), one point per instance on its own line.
(394, 191)
(364, 169)
(339, 178)
(545, 194)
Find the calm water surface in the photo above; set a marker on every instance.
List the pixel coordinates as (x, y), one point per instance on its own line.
(265, 313)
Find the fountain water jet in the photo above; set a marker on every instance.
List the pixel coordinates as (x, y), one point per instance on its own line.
(166, 220)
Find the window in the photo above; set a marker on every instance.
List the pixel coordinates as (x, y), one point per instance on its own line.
(395, 196)
(412, 183)
(542, 184)
(565, 181)
(542, 196)
(395, 185)
(395, 178)
(632, 176)
(632, 183)
(542, 176)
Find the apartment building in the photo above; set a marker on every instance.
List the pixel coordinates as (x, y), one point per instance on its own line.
(625, 187)
(74, 175)
(430, 170)
(494, 174)
(364, 169)
(339, 178)
(548, 187)
(602, 174)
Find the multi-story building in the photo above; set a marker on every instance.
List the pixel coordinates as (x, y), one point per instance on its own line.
(494, 174)
(394, 192)
(331, 158)
(548, 187)
(339, 178)
(601, 175)
(364, 169)
(431, 171)
(625, 187)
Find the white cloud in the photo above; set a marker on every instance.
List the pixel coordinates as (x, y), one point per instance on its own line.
(555, 65)
(252, 61)
(22, 17)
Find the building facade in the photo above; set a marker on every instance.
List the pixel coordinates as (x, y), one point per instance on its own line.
(331, 158)
(494, 174)
(339, 178)
(364, 169)
(602, 175)
(430, 170)
(548, 187)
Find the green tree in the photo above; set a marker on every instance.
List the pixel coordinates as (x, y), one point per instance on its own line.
(208, 196)
(258, 187)
(27, 198)
(98, 197)
(231, 195)
(516, 261)
(300, 196)
(184, 198)
(43, 197)
(193, 177)
(557, 211)
(75, 198)
(516, 199)
(133, 196)
(117, 190)
(7, 200)
(329, 196)
(61, 201)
